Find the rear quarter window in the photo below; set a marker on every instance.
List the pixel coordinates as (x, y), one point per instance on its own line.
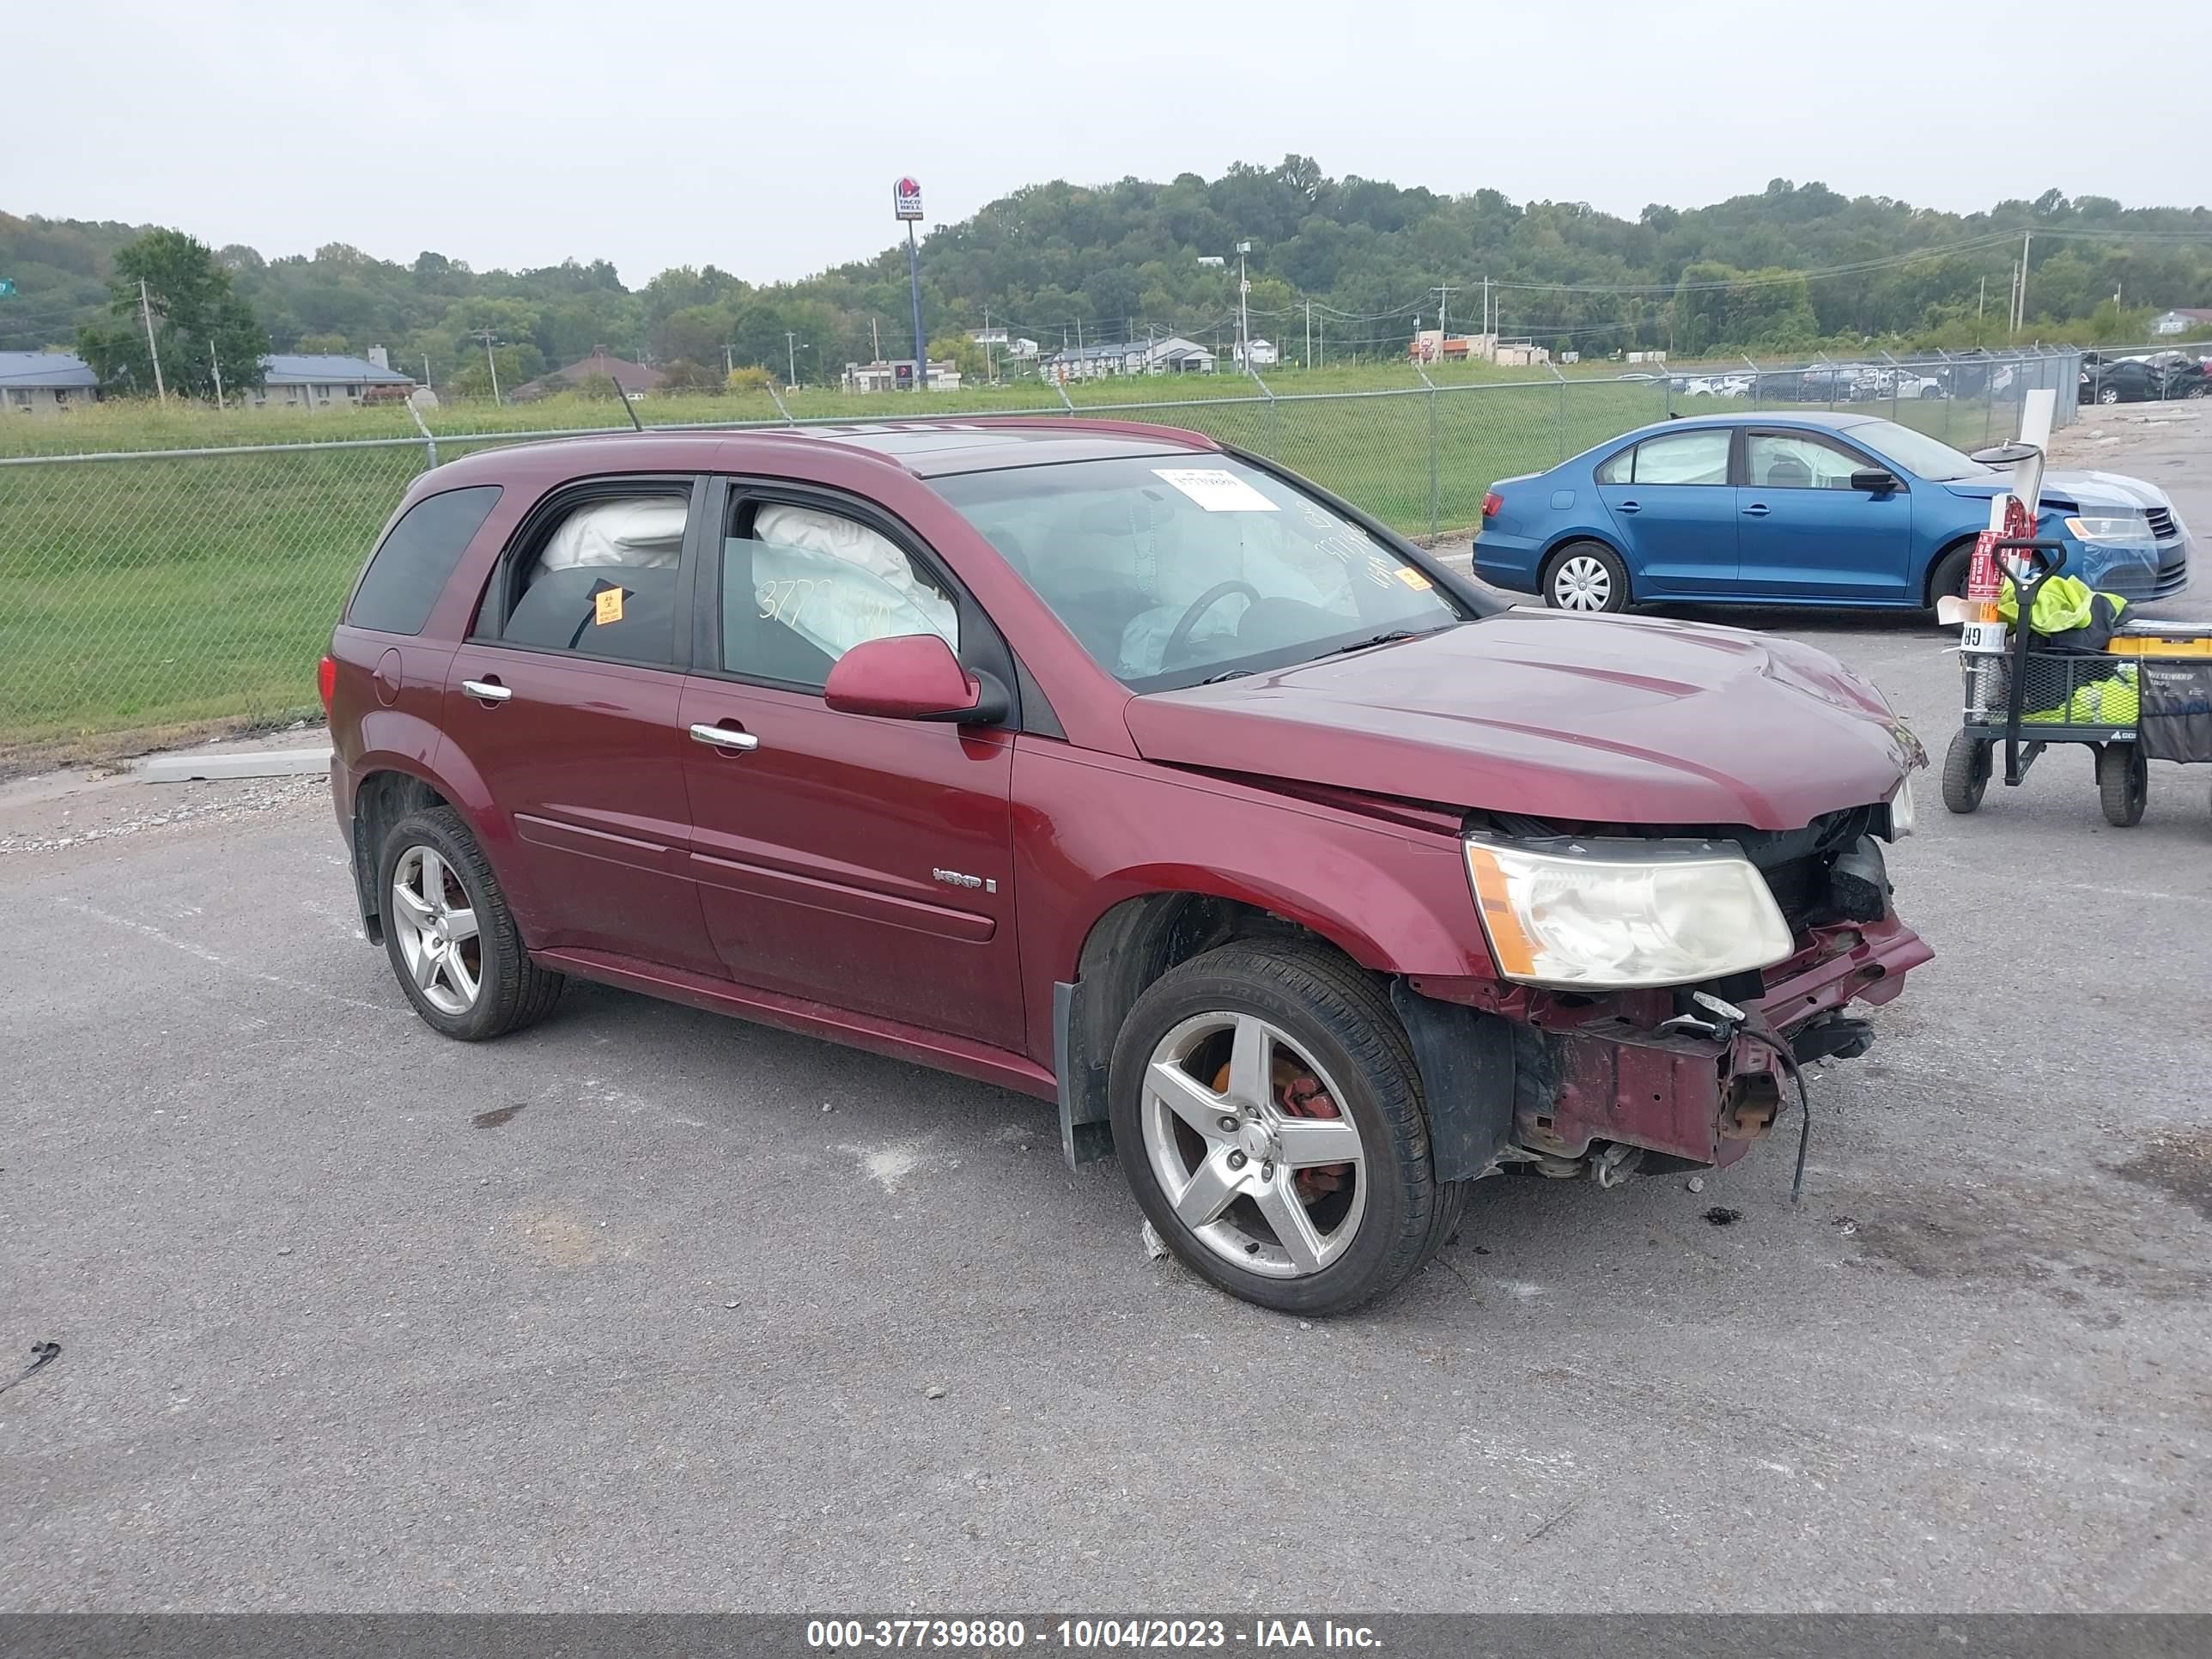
(412, 568)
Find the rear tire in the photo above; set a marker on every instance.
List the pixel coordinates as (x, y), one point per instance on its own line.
(1966, 767)
(1325, 1015)
(2122, 784)
(1587, 577)
(482, 983)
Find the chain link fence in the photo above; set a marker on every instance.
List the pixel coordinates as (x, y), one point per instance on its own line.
(152, 593)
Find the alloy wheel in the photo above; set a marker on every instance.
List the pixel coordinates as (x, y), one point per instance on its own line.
(1252, 1147)
(1582, 583)
(437, 930)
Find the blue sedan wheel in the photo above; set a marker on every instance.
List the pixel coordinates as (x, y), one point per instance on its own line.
(1585, 576)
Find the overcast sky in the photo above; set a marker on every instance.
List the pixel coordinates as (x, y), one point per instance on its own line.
(765, 138)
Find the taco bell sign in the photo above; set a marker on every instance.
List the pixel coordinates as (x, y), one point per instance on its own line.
(906, 200)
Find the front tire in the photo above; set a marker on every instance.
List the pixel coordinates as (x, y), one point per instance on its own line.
(452, 940)
(1966, 767)
(1270, 1122)
(2122, 784)
(1587, 577)
(1949, 575)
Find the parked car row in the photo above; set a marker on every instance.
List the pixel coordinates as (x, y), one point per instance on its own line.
(2157, 377)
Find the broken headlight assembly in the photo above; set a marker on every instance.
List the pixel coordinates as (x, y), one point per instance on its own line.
(1606, 915)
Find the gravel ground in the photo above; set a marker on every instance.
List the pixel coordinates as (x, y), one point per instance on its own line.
(645, 1309)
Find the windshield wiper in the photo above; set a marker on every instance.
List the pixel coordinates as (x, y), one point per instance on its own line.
(1390, 638)
(1227, 674)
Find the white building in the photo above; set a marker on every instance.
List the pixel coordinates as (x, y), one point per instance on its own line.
(896, 374)
(46, 382)
(1258, 354)
(2189, 319)
(319, 380)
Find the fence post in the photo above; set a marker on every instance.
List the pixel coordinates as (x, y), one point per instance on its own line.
(1432, 458)
(1561, 379)
(429, 440)
(1895, 375)
(1988, 398)
(1274, 449)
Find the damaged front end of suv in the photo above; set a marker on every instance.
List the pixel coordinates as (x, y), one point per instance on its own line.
(1655, 991)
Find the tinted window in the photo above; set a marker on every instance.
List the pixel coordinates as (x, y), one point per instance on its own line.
(1797, 462)
(1684, 458)
(602, 582)
(1170, 573)
(804, 585)
(1618, 469)
(416, 561)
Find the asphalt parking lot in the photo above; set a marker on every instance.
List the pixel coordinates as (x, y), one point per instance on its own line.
(647, 1309)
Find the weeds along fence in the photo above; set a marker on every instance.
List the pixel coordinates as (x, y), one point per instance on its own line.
(144, 593)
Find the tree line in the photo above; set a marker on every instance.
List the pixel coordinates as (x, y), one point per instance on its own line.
(1360, 264)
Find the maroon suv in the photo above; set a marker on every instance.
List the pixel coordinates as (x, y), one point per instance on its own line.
(1102, 762)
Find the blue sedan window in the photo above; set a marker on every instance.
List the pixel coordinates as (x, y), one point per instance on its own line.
(1684, 458)
(1778, 462)
(1618, 469)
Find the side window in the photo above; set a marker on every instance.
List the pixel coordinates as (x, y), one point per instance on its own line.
(601, 580)
(1618, 469)
(1773, 461)
(407, 572)
(802, 586)
(1684, 458)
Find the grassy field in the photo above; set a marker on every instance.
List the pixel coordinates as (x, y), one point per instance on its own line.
(160, 591)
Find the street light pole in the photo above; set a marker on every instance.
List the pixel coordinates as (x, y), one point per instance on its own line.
(791, 356)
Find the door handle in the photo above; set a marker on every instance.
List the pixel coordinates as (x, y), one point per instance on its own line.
(487, 691)
(1757, 510)
(1630, 506)
(722, 736)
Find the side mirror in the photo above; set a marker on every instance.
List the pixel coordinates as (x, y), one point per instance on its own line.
(912, 677)
(1878, 479)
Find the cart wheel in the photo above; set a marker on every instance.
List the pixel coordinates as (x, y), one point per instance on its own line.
(2123, 783)
(1966, 767)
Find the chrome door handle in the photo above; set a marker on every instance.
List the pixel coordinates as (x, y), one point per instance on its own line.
(487, 690)
(722, 738)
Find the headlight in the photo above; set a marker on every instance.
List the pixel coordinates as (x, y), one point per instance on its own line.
(2109, 530)
(1609, 915)
(1900, 811)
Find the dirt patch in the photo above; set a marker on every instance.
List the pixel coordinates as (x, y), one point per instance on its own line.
(555, 1238)
(2068, 1243)
(2177, 1163)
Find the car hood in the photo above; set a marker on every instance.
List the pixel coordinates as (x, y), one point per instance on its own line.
(1604, 719)
(2088, 489)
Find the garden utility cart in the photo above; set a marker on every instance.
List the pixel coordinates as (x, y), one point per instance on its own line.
(2135, 692)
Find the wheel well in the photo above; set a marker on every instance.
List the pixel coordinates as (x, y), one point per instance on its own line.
(1127, 949)
(380, 800)
(1935, 564)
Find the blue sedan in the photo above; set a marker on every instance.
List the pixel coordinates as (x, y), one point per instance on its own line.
(1817, 508)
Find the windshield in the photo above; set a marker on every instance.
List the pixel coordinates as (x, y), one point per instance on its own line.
(1170, 573)
(1916, 453)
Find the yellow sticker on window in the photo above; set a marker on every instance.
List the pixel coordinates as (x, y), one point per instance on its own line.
(1413, 578)
(607, 606)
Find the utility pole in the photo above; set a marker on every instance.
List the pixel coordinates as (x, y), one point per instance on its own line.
(1487, 328)
(426, 371)
(2025, 237)
(1244, 308)
(1444, 305)
(1324, 339)
(146, 311)
(790, 356)
(491, 361)
(990, 368)
(1309, 334)
(875, 339)
(217, 361)
(729, 360)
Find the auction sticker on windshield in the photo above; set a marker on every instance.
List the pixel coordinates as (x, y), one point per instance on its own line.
(1215, 489)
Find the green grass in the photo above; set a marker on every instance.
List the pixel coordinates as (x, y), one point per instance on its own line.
(145, 595)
